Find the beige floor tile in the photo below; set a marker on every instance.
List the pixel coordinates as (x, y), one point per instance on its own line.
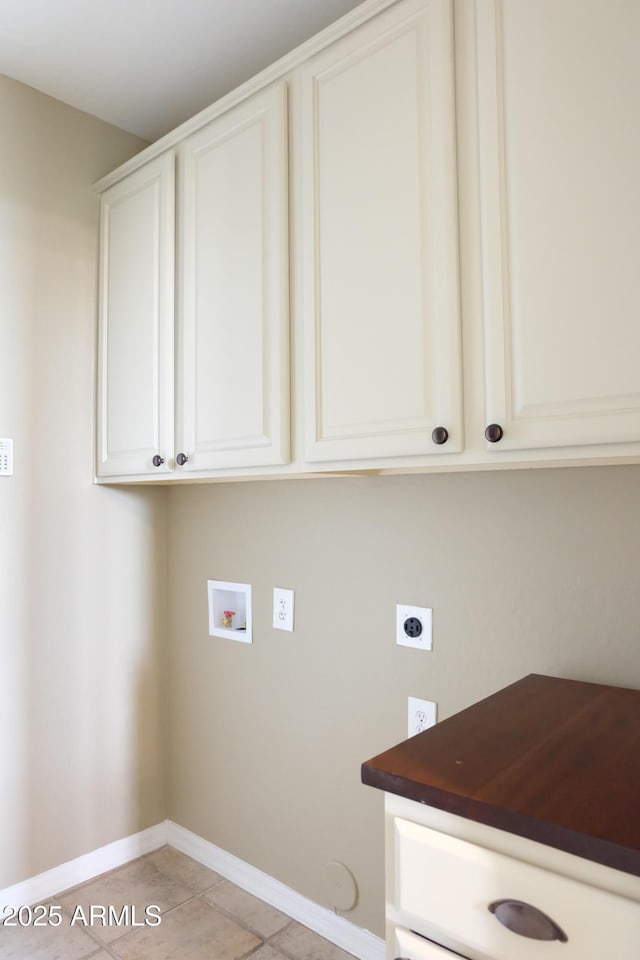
(177, 866)
(194, 931)
(267, 953)
(302, 944)
(46, 943)
(138, 884)
(256, 914)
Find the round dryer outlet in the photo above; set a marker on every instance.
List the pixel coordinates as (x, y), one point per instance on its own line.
(413, 626)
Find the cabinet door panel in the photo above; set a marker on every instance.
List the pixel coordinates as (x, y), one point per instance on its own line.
(135, 374)
(560, 153)
(233, 397)
(379, 239)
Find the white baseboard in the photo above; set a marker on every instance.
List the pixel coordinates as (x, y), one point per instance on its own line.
(84, 868)
(346, 935)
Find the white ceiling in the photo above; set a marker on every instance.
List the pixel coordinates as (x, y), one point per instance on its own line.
(147, 65)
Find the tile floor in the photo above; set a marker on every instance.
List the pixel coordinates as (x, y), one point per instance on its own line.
(204, 917)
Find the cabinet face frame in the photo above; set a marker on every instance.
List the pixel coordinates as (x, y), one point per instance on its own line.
(428, 334)
(142, 206)
(263, 344)
(515, 386)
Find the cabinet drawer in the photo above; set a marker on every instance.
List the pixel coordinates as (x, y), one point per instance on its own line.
(444, 886)
(408, 946)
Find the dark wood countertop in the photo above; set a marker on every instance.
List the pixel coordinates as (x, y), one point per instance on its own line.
(556, 761)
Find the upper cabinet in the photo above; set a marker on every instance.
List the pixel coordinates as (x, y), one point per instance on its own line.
(559, 154)
(233, 296)
(231, 330)
(136, 297)
(379, 247)
(445, 193)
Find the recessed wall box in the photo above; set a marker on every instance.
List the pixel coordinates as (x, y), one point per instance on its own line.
(230, 610)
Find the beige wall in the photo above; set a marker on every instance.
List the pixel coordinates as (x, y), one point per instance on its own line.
(81, 567)
(530, 571)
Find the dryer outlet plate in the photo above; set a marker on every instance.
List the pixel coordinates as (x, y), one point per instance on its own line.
(413, 626)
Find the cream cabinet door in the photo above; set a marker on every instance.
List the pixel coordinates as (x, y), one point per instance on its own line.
(559, 143)
(232, 398)
(378, 254)
(135, 336)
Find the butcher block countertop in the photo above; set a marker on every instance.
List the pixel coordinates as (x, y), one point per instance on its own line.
(556, 761)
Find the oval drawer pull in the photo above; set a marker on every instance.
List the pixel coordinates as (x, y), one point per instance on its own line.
(527, 921)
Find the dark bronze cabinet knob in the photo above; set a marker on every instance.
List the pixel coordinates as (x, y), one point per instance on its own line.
(494, 432)
(440, 435)
(158, 460)
(526, 921)
(181, 459)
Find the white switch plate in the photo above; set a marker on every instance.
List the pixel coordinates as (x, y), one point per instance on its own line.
(282, 609)
(421, 715)
(413, 636)
(6, 458)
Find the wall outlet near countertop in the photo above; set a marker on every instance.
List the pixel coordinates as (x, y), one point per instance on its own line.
(421, 715)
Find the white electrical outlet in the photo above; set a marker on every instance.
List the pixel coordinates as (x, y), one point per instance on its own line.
(413, 626)
(6, 458)
(421, 715)
(282, 609)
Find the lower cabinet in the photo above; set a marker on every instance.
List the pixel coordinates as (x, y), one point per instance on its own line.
(461, 889)
(409, 946)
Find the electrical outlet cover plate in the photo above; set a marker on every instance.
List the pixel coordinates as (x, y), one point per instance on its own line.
(413, 626)
(6, 458)
(282, 609)
(421, 715)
